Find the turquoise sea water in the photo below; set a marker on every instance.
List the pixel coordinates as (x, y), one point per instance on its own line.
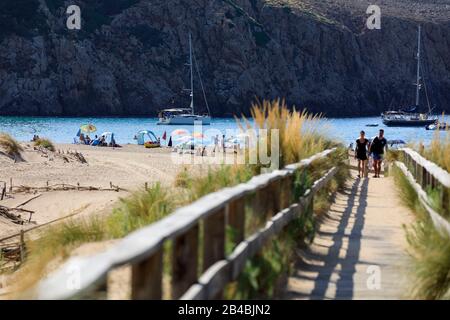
(63, 130)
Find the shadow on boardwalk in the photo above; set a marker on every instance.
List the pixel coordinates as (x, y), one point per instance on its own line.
(333, 267)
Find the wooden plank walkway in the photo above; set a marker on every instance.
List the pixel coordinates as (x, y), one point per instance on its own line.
(360, 240)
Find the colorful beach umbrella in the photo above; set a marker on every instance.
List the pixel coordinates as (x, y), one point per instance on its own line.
(198, 135)
(184, 139)
(88, 128)
(179, 132)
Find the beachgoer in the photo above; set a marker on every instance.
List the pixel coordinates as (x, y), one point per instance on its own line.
(379, 143)
(88, 139)
(216, 143)
(170, 142)
(361, 154)
(102, 142)
(82, 138)
(223, 143)
(95, 141)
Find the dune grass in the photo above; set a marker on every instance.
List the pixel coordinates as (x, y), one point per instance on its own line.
(45, 143)
(301, 134)
(429, 249)
(140, 209)
(439, 150)
(10, 146)
(299, 139)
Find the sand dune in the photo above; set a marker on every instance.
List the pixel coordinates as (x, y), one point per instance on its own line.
(129, 167)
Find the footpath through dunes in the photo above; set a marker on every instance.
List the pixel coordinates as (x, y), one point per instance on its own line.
(360, 240)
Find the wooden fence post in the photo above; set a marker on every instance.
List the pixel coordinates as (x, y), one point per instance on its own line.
(275, 196)
(22, 246)
(146, 280)
(424, 178)
(184, 262)
(214, 238)
(3, 191)
(263, 203)
(214, 241)
(285, 192)
(100, 292)
(433, 182)
(417, 174)
(445, 198)
(236, 220)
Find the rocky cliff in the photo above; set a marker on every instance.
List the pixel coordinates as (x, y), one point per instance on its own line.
(129, 56)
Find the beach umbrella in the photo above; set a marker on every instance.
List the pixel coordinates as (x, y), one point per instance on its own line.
(179, 132)
(88, 128)
(184, 139)
(198, 135)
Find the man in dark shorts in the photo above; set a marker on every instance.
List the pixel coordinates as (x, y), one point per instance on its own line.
(377, 147)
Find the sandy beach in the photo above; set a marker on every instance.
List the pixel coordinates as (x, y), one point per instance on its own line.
(128, 168)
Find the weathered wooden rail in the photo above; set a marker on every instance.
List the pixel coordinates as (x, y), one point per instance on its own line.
(270, 195)
(423, 174)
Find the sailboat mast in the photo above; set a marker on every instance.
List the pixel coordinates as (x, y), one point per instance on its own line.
(192, 73)
(418, 68)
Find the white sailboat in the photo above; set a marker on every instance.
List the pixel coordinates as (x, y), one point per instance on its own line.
(186, 116)
(411, 118)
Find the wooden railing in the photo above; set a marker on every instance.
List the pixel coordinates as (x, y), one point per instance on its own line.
(423, 175)
(270, 195)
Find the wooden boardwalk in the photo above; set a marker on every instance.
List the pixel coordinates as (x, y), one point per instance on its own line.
(360, 241)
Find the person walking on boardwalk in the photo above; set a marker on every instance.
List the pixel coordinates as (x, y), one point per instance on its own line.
(361, 149)
(377, 148)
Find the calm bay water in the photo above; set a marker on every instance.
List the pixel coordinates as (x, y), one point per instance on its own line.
(63, 130)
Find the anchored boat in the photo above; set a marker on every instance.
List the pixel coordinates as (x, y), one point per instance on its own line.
(438, 126)
(411, 118)
(186, 116)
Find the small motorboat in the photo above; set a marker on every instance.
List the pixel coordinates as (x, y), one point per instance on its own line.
(395, 142)
(438, 126)
(372, 125)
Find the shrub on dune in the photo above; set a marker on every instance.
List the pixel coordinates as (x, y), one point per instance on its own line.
(45, 143)
(10, 146)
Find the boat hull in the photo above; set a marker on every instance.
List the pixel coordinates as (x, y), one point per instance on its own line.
(407, 123)
(185, 120)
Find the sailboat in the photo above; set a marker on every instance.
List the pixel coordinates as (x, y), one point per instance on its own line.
(186, 116)
(411, 118)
